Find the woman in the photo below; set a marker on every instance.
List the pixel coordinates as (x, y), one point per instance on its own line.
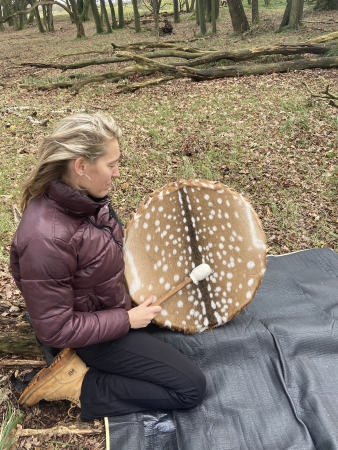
(66, 258)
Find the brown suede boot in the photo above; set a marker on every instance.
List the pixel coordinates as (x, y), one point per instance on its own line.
(62, 380)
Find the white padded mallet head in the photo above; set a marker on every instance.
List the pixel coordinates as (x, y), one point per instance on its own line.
(200, 273)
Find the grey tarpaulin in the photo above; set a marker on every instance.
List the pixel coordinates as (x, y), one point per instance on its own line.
(272, 372)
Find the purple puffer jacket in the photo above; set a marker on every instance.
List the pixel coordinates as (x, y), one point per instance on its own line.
(67, 261)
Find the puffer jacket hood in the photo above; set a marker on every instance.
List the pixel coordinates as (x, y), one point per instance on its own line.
(66, 258)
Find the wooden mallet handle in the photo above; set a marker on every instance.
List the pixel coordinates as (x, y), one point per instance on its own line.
(172, 292)
(197, 274)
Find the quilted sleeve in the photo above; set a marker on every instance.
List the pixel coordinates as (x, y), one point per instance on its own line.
(43, 270)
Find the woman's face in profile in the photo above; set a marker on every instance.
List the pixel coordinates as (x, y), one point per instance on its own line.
(103, 169)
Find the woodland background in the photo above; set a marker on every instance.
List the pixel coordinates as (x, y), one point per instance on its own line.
(272, 137)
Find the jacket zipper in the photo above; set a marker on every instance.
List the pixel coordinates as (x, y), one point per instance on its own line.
(105, 229)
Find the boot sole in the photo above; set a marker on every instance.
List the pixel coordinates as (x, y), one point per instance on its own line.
(61, 360)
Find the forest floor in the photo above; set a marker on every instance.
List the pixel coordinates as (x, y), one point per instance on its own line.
(261, 135)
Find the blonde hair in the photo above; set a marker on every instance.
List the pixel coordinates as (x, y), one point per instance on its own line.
(77, 135)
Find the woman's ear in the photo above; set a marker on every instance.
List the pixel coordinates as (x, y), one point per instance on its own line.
(80, 165)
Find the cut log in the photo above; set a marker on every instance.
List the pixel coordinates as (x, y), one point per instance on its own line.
(18, 340)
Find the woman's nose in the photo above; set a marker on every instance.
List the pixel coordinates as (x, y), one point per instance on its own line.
(116, 172)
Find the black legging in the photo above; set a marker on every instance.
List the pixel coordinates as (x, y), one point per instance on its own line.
(136, 373)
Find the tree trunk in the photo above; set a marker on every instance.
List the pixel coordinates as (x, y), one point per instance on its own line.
(157, 21)
(192, 7)
(197, 12)
(296, 13)
(8, 11)
(322, 5)
(105, 16)
(213, 15)
(97, 18)
(113, 15)
(187, 8)
(30, 20)
(38, 18)
(120, 11)
(207, 4)
(293, 14)
(21, 6)
(136, 17)
(79, 4)
(176, 12)
(254, 11)
(238, 18)
(85, 11)
(49, 18)
(77, 20)
(201, 7)
(217, 8)
(2, 28)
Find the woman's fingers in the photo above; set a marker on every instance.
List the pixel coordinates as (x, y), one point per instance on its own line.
(142, 315)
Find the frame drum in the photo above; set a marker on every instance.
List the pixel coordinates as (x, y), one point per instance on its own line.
(182, 225)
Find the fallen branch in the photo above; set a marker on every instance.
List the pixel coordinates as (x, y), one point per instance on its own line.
(326, 95)
(147, 66)
(80, 428)
(119, 74)
(46, 87)
(259, 69)
(145, 45)
(131, 87)
(21, 362)
(198, 57)
(324, 38)
(97, 62)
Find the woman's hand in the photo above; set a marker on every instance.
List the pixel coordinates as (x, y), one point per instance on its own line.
(142, 315)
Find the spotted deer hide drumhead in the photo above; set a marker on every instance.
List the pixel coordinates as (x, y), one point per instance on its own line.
(185, 224)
